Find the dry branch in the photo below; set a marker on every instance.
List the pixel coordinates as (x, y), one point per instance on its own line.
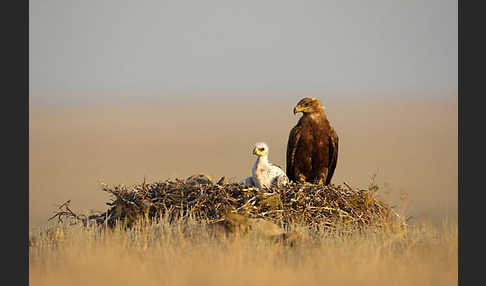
(313, 205)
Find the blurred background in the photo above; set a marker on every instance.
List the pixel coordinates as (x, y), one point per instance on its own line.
(126, 90)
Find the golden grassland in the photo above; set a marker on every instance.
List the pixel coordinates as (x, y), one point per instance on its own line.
(410, 143)
(186, 253)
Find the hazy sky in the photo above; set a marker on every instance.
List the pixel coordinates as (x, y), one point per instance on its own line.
(408, 46)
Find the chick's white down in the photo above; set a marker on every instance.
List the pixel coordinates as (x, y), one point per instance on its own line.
(264, 173)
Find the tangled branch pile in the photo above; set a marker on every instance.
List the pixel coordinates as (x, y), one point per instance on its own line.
(312, 205)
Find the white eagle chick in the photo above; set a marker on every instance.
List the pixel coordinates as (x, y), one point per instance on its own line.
(264, 173)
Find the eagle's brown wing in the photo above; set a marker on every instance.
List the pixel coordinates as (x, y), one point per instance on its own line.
(292, 144)
(333, 154)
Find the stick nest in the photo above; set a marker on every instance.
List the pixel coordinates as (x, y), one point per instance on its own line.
(198, 197)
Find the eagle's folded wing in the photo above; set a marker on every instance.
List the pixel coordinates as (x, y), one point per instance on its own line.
(333, 154)
(292, 144)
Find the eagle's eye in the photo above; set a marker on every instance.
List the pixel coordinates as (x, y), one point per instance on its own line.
(261, 149)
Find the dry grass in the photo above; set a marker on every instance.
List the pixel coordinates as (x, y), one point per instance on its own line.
(185, 253)
(411, 143)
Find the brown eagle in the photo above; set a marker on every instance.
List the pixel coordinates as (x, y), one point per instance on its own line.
(312, 149)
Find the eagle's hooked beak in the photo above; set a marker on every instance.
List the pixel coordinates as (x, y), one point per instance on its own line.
(297, 109)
